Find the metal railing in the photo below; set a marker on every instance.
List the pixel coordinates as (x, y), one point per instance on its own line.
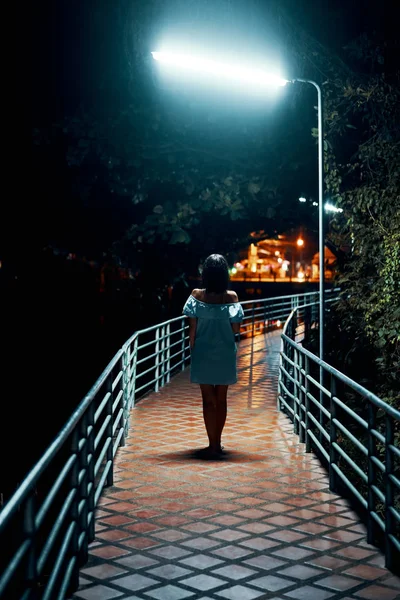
(46, 526)
(353, 432)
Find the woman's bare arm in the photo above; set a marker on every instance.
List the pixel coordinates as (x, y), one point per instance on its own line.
(234, 298)
(235, 327)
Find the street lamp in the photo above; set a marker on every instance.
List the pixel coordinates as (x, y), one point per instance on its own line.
(259, 78)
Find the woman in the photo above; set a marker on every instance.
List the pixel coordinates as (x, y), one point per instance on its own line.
(214, 318)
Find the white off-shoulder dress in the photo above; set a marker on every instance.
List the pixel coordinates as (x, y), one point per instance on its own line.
(213, 356)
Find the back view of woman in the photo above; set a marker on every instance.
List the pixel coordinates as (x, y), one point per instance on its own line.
(214, 317)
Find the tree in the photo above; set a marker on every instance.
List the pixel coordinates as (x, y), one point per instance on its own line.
(363, 177)
(361, 96)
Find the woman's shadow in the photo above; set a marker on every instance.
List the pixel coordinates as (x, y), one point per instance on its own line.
(200, 454)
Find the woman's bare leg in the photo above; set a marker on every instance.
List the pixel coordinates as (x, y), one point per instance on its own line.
(221, 392)
(210, 414)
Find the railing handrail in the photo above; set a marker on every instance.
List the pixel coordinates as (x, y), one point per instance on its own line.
(345, 379)
(333, 371)
(34, 474)
(151, 328)
(302, 294)
(318, 398)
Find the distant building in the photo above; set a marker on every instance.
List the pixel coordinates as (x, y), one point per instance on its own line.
(330, 262)
(273, 259)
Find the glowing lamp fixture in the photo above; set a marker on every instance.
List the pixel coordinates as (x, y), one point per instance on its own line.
(235, 73)
(300, 242)
(302, 199)
(331, 208)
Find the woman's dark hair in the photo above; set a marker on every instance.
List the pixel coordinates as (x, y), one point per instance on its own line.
(215, 274)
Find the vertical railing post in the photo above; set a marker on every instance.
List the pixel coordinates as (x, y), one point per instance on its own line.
(281, 377)
(168, 358)
(295, 392)
(314, 313)
(295, 320)
(29, 532)
(322, 405)
(91, 479)
(162, 357)
(371, 525)
(183, 343)
(265, 315)
(123, 403)
(252, 319)
(74, 511)
(290, 353)
(321, 399)
(157, 360)
(332, 436)
(307, 405)
(109, 429)
(132, 372)
(390, 523)
(307, 323)
(301, 398)
(83, 490)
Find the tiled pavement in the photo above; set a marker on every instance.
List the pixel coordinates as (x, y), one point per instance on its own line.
(260, 523)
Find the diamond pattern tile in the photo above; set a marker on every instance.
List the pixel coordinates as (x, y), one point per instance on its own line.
(203, 582)
(259, 523)
(239, 592)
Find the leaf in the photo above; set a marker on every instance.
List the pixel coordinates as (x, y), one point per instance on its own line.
(158, 209)
(350, 126)
(180, 237)
(254, 187)
(205, 194)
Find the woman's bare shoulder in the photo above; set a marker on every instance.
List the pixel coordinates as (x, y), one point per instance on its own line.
(233, 297)
(198, 294)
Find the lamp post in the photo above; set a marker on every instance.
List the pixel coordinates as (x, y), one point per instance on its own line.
(321, 223)
(263, 79)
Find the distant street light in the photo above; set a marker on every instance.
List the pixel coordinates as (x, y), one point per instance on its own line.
(302, 199)
(331, 208)
(300, 242)
(261, 79)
